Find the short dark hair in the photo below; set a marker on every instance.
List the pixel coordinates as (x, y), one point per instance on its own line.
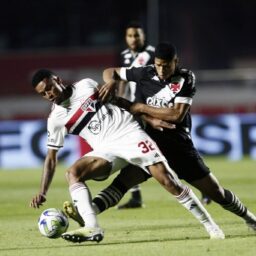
(40, 75)
(134, 24)
(165, 51)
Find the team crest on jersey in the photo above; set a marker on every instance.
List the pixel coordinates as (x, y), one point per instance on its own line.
(176, 84)
(175, 87)
(141, 61)
(89, 105)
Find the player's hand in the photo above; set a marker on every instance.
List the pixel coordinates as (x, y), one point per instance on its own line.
(107, 91)
(160, 124)
(37, 201)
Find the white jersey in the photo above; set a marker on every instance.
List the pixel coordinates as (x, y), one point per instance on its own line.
(108, 129)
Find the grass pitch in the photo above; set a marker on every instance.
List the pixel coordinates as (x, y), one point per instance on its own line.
(163, 227)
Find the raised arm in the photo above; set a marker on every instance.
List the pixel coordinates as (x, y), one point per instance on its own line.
(111, 77)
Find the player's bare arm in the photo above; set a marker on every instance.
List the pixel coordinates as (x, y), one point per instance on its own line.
(121, 88)
(46, 179)
(156, 123)
(110, 77)
(173, 114)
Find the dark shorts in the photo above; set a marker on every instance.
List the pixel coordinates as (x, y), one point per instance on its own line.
(181, 154)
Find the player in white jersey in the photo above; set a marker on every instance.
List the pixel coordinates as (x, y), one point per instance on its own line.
(117, 140)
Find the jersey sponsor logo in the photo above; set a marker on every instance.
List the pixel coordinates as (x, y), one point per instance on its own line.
(156, 102)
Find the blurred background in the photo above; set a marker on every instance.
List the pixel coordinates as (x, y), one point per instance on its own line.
(78, 39)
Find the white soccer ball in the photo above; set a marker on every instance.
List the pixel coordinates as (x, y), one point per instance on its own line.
(52, 223)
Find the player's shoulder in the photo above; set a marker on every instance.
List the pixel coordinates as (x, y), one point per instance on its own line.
(149, 68)
(57, 113)
(187, 74)
(150, 48)
(85, 82)
(126, 51)
(147, 71)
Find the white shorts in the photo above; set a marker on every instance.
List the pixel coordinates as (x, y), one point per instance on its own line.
(136, 148)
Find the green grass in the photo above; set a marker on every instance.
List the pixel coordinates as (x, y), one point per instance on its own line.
(162, 228)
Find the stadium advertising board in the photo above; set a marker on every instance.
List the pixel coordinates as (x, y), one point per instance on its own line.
(23, 143)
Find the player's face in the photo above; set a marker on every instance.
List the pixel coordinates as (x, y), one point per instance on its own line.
(165, 68)
(135, 38)
(50, 89)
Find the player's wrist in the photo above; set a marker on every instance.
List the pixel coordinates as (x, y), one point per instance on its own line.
(42, 194)
(137, 108)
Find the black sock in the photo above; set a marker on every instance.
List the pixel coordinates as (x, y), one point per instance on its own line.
(233, 204)
(136, 194)
(110, 196)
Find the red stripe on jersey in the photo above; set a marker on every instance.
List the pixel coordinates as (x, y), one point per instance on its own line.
(84, 147)
(79, 112)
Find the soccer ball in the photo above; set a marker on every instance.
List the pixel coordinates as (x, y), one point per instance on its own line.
(52, 223)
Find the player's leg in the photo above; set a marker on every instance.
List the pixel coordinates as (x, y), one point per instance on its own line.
(185, 196)
(111, 195)
(84, 169)
(135, 201)
(205, 199)
(226, 198)
(126, 179)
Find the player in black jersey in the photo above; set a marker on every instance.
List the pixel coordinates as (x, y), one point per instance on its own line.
(165, 91)
(137, 54)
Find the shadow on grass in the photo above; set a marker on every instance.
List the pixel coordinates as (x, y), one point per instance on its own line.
(70, 245)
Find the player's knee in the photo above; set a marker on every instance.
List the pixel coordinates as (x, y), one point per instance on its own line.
(72, 174)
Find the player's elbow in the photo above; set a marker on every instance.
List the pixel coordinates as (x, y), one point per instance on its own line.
(107, 74)
(110, 74)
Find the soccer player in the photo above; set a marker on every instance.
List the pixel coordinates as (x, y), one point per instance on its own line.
(137, 54)
(116, 138)
(165, 91)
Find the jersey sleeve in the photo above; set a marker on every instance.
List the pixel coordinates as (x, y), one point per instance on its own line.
(86, 83)
(188, 90)
(55, 134)
(131, 74)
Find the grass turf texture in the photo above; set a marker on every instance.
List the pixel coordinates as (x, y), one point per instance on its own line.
(162, 228)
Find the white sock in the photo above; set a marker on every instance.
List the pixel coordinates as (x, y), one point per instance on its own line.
(81, 198)
(95, 208)
(190, 201)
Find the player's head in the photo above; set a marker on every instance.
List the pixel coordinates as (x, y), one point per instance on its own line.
(165, 60)
(48, 85)
(134, 36)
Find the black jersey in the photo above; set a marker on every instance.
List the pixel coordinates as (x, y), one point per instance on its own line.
(144, 56)
(175, 144)
(179, 88)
